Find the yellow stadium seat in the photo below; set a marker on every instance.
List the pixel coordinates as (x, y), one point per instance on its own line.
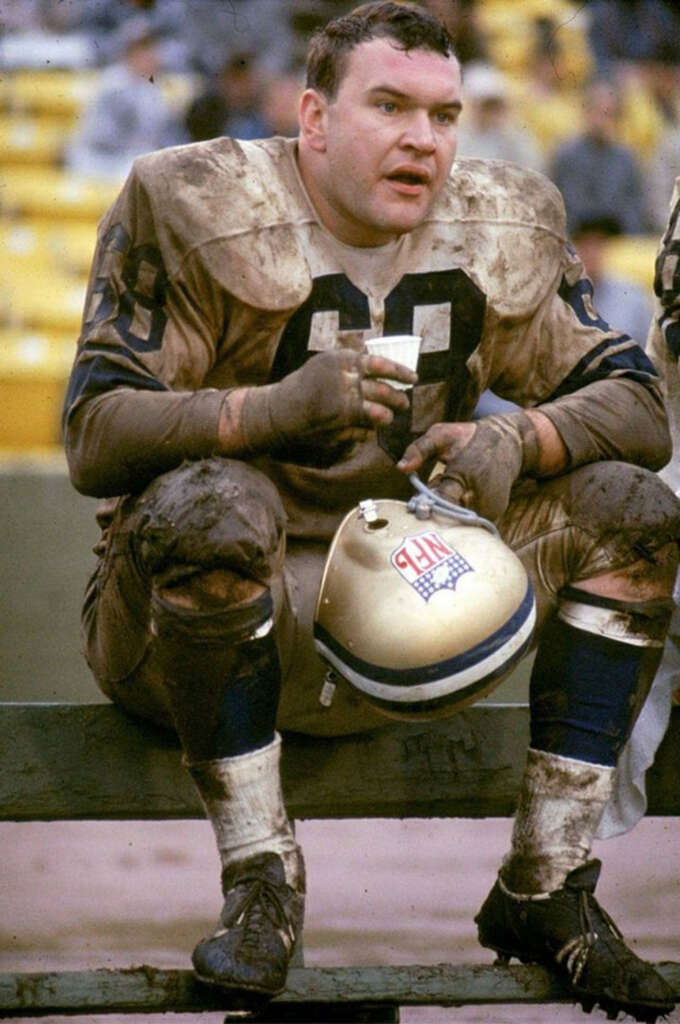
(28, 140)
(509, 29)
(642, 123)
(50, 192)
(633, 256)
(40, 300)
(34, 371)
(551, 118)
(61, 93)
(64, 246)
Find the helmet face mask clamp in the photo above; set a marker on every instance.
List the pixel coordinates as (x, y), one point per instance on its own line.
(422, 612)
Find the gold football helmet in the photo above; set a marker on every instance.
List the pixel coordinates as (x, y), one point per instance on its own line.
(422, 607)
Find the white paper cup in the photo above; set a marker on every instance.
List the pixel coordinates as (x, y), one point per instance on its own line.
(400, 348)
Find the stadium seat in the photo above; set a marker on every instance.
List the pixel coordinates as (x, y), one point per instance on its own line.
(633, 256)
(29, 140)
(63, 246)
(50, 192)
(509, 29)
(34, 369)
(41, 299)
(61, 93)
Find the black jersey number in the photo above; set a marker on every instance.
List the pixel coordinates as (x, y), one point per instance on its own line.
(335, 292)
(139, 311)
(446, 365)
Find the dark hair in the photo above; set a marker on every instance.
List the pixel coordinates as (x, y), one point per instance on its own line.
(597, 224)
(410, 25)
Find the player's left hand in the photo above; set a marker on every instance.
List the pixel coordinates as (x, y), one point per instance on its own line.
(482, 460)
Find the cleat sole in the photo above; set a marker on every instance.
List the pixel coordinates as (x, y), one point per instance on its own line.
(242, 998)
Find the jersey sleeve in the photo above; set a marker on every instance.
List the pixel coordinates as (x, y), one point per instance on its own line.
(596, 384)
(150, 330)
(149, 322)
(563, 344)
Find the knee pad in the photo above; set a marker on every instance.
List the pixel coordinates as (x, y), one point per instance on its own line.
(213, 513)
(594, 665)
(629, 509)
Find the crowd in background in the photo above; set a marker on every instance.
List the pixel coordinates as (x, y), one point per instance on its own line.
(587, 93)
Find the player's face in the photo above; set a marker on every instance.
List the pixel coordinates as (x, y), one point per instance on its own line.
(389, 140)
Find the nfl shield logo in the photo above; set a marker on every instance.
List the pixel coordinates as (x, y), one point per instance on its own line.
(428, 564)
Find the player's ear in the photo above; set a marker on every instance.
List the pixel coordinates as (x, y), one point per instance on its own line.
(313, 118)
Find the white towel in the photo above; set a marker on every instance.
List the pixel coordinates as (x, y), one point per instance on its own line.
(628, 802)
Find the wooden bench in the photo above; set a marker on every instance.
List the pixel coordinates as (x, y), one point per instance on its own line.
(90, 761)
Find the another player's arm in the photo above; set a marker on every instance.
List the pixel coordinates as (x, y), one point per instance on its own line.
(667, 281)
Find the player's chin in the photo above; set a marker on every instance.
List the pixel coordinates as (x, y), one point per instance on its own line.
(406, 216)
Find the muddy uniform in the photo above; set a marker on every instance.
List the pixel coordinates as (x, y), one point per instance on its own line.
(663, 346)
(664, 337)
(213, 272)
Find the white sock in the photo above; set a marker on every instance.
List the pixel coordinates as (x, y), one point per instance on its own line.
(560, 806)
(243, 799)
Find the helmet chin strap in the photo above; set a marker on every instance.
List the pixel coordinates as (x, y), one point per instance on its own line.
(428, 501)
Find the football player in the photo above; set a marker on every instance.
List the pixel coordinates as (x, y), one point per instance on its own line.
(223, 404)
(663, 343)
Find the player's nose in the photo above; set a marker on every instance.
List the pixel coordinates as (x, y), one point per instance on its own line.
(419, 132)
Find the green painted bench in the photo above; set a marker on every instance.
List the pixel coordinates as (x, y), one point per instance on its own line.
(467, 766)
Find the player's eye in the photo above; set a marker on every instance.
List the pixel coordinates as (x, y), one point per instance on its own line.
(387, 106)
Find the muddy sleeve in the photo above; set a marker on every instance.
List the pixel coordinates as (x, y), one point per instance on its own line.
(118, 441)
(612, 419)
(596, 384)
(136, 405)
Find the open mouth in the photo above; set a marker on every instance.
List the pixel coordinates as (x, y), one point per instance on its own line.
(413, 178)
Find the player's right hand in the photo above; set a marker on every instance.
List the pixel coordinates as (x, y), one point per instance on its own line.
(317, 412)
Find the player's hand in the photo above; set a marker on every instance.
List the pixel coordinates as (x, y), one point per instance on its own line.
(325, 406)
(482, 460)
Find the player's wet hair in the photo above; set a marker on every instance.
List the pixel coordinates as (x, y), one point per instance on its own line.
(408, 24)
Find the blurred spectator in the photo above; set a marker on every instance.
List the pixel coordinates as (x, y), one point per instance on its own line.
(280, 104)
(622, 302)
(630, 31)
(662, 169)
(77, 33)
(487, 126)
(209, 116)
(30, 37)
(461, 18)
(216, 30)
(193, 37)
(128, 114)
(20, 16)
(549, 94)
(232, 105)
(598, 176)
(240, 85)
(205, 117)
(650, 91)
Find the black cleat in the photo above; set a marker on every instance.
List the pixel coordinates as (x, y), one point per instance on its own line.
(249, 953)
(569, 931)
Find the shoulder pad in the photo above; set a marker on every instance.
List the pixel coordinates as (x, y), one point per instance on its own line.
(503, 191)
(235, 207)
(511, 225)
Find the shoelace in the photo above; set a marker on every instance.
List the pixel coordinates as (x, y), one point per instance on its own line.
(576, 951)
(262, 902)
